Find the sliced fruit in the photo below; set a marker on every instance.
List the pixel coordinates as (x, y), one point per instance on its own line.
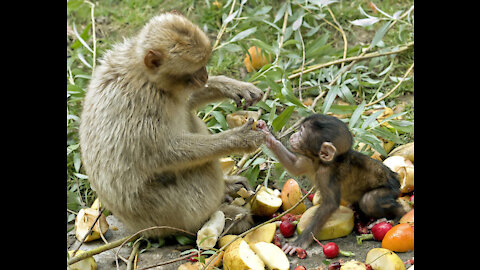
(384, 259)
(240, 256)
(408, 218)
(264, 233)
(84, 221)
(265, 203)
(227, 164)
(272, 256)
(339, 224)
(406, 150)
(353, 265)
(85, 264)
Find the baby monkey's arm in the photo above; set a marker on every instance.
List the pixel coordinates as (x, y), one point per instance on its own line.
(293, 163)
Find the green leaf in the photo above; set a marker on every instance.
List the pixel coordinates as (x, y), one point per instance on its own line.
(371, 118)
(184, 240)
(282, 119)
(380, 33)
(356, 114)
(331, 95)
(244, 34)
(220, 119)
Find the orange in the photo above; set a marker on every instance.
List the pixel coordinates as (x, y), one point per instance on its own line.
(256, 60)
(408, 218)
(399, 238)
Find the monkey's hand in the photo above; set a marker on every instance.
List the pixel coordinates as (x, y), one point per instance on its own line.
(236, 90)
(300, 242)
(270, 139)
(247, 139)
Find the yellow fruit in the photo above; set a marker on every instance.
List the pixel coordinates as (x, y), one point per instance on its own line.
(384, 259)
(85, 264)
(272, 256)
(339, 224)
(405, 169)
(264, 233)
(353, 265)
(406, 150)
(84, 221)
(227, 164)
(256, 59)
(265, 202)
(291, 194)
(240, 256)
(408, 217)
(225, 240)
(239, 118)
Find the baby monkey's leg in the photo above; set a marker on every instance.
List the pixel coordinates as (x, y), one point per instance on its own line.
(381, 202)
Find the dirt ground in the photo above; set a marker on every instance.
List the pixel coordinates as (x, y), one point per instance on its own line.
(315, 258)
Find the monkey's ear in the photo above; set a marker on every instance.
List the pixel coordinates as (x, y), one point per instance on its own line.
(327, 151)
(153, 59)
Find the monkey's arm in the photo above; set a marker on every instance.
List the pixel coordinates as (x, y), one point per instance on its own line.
(220, 87)
(330, 190)
(294, 164)
(188, 150)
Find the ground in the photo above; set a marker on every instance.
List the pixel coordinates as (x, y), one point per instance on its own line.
(315, 258)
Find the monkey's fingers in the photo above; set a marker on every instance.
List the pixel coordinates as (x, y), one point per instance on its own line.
(289, 249)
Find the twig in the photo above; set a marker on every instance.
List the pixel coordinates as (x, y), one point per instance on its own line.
(137, 235)
(222, 29)
(394, 88)
(303, 65)
(88, 233)
(258, 226)
(133, 254)
(349, 59)
(166, 262)
(340, 29)
(95, 251)
(93, 35)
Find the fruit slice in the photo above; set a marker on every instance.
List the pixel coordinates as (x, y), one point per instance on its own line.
(408, 217)
(84, 221)
(272, 256)
(265, 203)
(240, 256)
(405, 169)
(339, 224)
(227, 164)
(406, 150)
(85, 264)
(353, 265)
(291, 194)
(264, 233)
(256, 59)
(384, 259)
(400, 238)
(225, 240)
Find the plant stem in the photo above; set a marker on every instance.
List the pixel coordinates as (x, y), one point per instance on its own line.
(367, 236)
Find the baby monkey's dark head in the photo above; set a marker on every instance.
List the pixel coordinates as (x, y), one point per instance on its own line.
(322, 136)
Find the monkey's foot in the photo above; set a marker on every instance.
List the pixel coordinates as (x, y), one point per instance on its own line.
(290, 248)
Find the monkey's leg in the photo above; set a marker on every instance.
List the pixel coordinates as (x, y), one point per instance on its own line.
(220, 87)
(381, 202)
(235, 182)
(330, 190)
(233, 211)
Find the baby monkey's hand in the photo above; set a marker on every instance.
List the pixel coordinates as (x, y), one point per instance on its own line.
(270, 139)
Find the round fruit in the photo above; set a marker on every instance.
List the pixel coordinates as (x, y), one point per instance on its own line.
(400, 238)
(380, 229)
(331, 250)
(287, 229)
(408, 217)
(255, 59)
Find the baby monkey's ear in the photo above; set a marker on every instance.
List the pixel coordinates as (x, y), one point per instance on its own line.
(153, 59)
(327, 152)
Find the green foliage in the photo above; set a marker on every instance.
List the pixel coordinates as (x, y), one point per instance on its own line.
(311, 36)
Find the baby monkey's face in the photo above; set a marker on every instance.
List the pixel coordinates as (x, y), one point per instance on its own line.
(297, 140)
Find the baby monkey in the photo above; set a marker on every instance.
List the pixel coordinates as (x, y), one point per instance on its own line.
(323, 152)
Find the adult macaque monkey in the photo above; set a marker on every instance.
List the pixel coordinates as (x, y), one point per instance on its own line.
(150, 159)
(322, 152)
